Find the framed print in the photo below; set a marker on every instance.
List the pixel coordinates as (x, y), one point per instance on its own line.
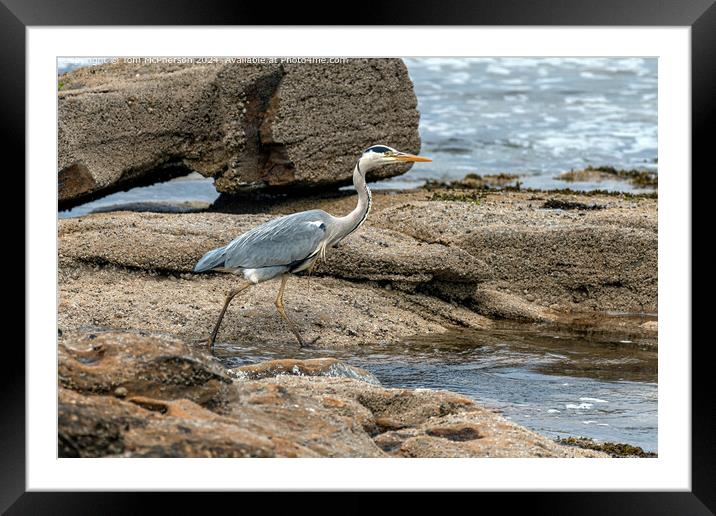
(266, 263)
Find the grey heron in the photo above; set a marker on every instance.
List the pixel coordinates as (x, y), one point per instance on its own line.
(293, 243)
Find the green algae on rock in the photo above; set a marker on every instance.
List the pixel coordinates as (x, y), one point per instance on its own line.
(637, 178)
(618, 450)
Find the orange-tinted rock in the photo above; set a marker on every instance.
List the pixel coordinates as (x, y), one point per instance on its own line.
(169, 413)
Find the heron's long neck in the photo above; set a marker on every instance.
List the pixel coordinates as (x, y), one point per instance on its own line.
(348, 224)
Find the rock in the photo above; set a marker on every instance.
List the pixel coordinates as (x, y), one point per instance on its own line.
(413, 259)
(97, 426)
(176, 242)
(599, 260)
(503, 305)
(129, 364)
(311, 367)
(379, 254)
(650, 326)
(146, 295)
(156, 207)
(323, 116)
(282, 416)
(111, 298)
(250, 126)
(121, 392)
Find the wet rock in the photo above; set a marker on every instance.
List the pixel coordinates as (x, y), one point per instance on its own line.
(638, 178)
(310, 367)
(156, 207)
(250, 126)
(619, 450)
(503, 305)
(281, 416)
(128, 364)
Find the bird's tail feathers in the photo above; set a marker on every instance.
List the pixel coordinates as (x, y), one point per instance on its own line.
(211, 260)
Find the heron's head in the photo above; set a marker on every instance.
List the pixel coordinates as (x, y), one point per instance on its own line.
(379, 155)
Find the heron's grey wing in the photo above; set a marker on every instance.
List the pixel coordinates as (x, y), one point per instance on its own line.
(211, 260)
(284, 241)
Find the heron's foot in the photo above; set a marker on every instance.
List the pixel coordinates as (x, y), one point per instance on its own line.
(206, 343)
(309, 344)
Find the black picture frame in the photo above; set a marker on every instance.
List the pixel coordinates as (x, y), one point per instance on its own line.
(17, 15)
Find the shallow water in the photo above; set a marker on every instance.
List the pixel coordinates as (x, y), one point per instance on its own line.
(555, 382)
(193, 188)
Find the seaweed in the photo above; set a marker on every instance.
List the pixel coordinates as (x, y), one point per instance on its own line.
(475, 181)
(618, 450)
(470, 196)
(558, 204)
(638, 178)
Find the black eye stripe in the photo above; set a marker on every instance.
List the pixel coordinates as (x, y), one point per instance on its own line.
(378, 148)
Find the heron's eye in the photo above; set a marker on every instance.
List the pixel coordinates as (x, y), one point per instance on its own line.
(380, 149)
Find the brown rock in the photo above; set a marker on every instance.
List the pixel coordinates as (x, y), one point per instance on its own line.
(130, 365)
(310, 367)
(343, 314)
(174, 242)
(598, 260)
(282, 416)
(250, 126)
(125, 250)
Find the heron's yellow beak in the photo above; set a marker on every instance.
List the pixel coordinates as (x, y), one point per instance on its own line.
(410, 157)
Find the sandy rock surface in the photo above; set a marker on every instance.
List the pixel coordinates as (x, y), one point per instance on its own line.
(576, 259)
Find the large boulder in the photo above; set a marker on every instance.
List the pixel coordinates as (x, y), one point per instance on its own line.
(267, 126)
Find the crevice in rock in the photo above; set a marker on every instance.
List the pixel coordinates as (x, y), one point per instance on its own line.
(449, 292)
(71, 178)
(459, 434)
(264, 161)
(262, 202)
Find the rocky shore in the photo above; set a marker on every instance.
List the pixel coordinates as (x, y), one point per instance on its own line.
(136, 378)
(128, 395)
(133, 322)
(416, 267)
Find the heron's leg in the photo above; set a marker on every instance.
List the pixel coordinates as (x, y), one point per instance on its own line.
(310, 272)
(231, 295)
(282, 310)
